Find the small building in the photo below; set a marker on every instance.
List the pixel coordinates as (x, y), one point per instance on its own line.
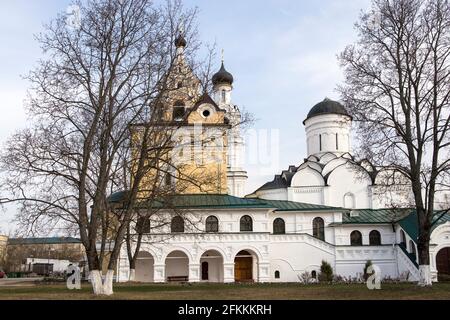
(3, 243)
(19, 250)
(46, 266)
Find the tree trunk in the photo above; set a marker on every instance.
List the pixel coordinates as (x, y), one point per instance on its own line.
(99, 286)
(423, 248)
(132, 276)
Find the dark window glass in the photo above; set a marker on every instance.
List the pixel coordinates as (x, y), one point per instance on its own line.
(356, 238)
(319, 229)
(246, 224)
(168, 179)
(206, 113)
(212, 224)
(177, 225)
(375, 238)
(143, 225)
(277, 275)
(279, 226)
(178, 113)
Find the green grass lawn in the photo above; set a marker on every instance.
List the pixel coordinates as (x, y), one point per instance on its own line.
(439, 291)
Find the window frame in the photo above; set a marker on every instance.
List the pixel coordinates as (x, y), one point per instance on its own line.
(319, 232)
(377, 238)
(208, 224)
(281, 225)
(249, 226)
(360, 242)
(144, 224)
(175, 223)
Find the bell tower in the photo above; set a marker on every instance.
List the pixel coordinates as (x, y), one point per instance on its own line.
(236, 176)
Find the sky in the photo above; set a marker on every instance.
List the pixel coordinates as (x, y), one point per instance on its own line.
(282, 54)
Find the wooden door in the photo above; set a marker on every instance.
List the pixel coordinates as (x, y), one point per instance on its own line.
(443, 262)
(243, 269)
(205, 271)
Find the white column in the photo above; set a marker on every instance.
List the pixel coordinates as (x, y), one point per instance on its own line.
(159, 273)
(194, 272)
(228, 272)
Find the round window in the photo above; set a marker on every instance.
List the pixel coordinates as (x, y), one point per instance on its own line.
(206, 113)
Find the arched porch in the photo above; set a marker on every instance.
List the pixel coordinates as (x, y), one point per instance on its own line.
(144, 267)
(211, 267)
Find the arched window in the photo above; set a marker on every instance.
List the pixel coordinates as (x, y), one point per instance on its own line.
(319, 229)
(179, 110)
(314, 274)
(375, 238)
(246, 224)
(356, 238)
(143, 225)
(412, 250)
(279, 226)
(177, 225)
(277, 274)
(212, 224)
(224, 96)
(402, 239)
(168, 179)
(349, 201)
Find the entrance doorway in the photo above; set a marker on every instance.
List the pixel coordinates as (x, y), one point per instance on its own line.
(205, 271)
(212, 267)
(243, 267)
(443, 264)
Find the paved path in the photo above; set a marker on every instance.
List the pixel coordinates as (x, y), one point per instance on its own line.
(19, 282)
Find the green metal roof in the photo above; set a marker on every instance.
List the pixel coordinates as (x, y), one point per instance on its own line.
(53, 240)
(117, 197)
(372, 216)
(205, 201)
(411, 224)
(297, 206)
(220, 201)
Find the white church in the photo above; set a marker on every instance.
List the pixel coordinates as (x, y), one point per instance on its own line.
(332, 207)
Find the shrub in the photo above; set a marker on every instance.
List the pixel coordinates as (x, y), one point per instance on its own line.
(306, 278)
(326, 272)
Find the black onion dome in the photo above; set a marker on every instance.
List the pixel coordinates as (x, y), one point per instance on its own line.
(223, 76)
(180, 41)
(327, 106)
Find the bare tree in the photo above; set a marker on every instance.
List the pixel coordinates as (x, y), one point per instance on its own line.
(96, 79)
(397, 87)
